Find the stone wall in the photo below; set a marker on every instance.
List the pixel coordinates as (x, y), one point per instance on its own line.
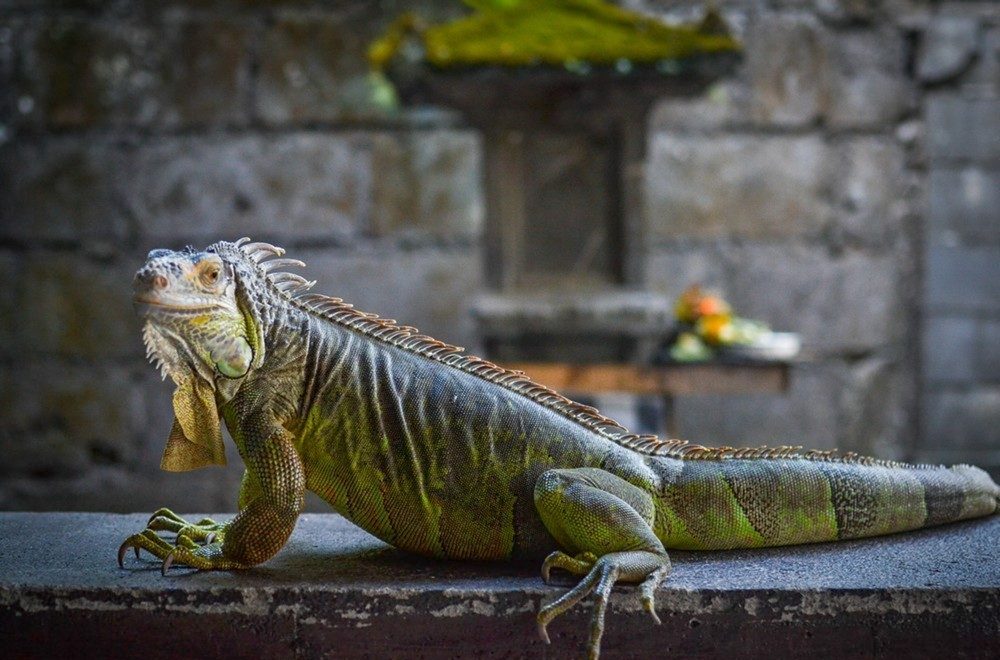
(959, 66)
(842, 184)
(133, 125)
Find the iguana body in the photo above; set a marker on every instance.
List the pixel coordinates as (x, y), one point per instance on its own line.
(447, 455)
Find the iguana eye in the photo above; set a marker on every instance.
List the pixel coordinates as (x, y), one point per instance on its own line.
(211, 274)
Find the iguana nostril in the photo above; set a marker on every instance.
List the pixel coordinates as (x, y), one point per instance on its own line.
(159, 282)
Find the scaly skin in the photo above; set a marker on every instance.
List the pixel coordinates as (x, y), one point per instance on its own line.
(447, 456)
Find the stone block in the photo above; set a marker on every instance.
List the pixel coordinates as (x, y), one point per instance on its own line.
(36, 5)
(829, 405)
(783, 66)
(848, 304)
(949, 349)
(75, 306)
(961, 350)
(983, 79)
(117, 489)
(981, 9)
(285, 187)
(736, 187)
(869, 191)
(876, 404)
(962, 419)
(76, 72)
(672, 270)
(963, 129)
(60, 419)
(722, 105)
(988, 351)
(313, 68)
(10, 272)
(428, 183)
(932, 593)
(964, 205)
(8, 40)
(864, 80)
(962, 278)
(60, 189)
(806, 415)
(846, 12)
(206, 71)
(429, 289)
(947, 47)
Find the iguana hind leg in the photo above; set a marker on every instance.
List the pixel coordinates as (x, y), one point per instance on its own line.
(607, 521)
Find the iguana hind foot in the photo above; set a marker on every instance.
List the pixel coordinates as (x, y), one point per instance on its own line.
(607, 520)
(632, 566)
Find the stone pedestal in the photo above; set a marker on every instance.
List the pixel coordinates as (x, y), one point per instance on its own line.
(335, 591)
(564, 156)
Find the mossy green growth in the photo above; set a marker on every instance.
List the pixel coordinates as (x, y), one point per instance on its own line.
(552, 33)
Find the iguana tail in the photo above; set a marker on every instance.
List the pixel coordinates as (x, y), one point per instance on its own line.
(733, 503)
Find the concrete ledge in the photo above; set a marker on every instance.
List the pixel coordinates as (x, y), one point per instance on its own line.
(335, 591)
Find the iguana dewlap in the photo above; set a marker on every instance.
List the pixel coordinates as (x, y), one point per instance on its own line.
(447, 455)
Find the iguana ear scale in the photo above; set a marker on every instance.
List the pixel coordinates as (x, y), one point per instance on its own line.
(196, 437)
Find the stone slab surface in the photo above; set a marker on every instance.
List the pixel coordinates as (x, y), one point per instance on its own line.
(335, 591)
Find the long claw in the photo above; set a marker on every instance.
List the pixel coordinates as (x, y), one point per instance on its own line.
(121, 554)
(167, 563)
(652, 613)
(648, 590)
(210, 538)
(543, 633)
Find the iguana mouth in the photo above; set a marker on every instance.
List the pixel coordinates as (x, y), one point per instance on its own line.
(145, 306)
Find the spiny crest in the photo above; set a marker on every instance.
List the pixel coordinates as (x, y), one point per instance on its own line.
(160, 351)
(154, 348)
(268, 259)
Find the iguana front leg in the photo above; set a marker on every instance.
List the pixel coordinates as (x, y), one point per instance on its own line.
(271, 498)
(204, 531)
(608, 521)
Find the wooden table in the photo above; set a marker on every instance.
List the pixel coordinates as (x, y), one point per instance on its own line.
(665, 381)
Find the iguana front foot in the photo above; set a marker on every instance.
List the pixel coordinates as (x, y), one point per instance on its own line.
(205, 530)
(186, 549)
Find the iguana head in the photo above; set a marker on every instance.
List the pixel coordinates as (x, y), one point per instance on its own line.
(194, 323)
(201, 326)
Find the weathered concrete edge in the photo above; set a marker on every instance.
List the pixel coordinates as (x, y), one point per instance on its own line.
(320, 602)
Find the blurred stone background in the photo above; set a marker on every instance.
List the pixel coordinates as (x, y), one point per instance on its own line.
(843, 183)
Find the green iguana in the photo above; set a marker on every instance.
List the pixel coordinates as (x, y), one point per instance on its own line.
(446, 455)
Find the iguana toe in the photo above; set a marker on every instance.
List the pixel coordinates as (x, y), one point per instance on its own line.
(196, 545)
(578, 565)
(164, 512)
